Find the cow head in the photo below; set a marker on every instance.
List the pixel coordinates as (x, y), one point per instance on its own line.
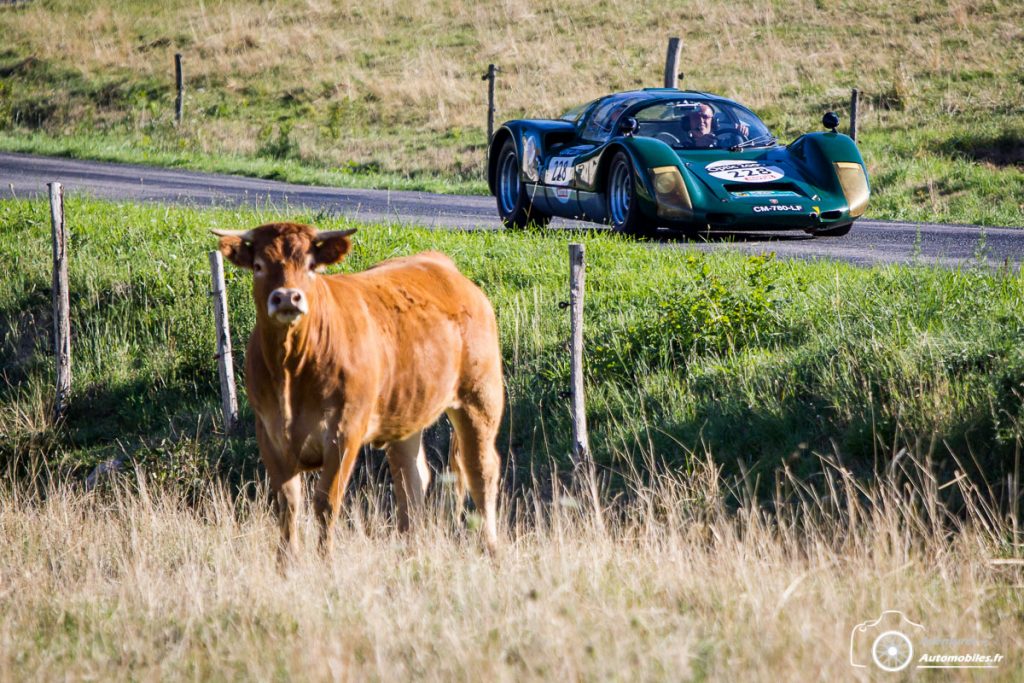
(284, 258)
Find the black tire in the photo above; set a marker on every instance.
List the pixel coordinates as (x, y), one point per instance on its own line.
(837, 231)
(514, 207)
(624, 213)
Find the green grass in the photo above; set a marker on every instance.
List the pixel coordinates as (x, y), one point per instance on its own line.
(759, 361)
(782, 442)
(390, 96)
(143, 151)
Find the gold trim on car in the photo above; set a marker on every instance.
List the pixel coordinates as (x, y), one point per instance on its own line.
(855, 186)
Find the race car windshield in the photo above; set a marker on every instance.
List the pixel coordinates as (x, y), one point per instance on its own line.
(601, 120)
(574, 114)
(703, 124)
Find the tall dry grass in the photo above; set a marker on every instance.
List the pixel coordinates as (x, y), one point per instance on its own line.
(676, 585)
(420, 54)
(395, 85)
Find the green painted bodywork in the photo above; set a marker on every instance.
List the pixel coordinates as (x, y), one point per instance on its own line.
(807, 179)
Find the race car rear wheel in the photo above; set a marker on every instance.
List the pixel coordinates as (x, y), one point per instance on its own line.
(624, 213)
(514, 206)
(838, 231)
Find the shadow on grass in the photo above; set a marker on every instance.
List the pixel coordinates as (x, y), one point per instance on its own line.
(1004, 150)
(806, 435)
(26, 334)
(164, 426)
(147, 405)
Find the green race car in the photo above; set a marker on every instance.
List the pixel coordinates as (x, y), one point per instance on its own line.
(686, 160)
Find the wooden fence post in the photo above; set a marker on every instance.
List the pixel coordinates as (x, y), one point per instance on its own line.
(584, 471)
(180, 82)
(577, 276)
(854, 97)
(61, 302)
(1015, 497)
(229, 402)
(490, 76)
(672, 63)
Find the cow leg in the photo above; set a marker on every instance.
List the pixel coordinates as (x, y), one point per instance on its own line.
(289, 500)
(287, 487)
(459, 472)
(410, 477)
(476, 430)
(330, 490)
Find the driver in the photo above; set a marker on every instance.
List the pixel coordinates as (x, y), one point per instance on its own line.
(701, 120)
(700, 133)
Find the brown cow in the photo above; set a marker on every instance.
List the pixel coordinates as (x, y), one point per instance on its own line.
(338, 361)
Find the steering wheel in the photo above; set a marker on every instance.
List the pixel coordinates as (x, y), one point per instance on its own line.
(668, 138)
(729, 138)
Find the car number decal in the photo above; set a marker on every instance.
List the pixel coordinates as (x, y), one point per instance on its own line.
(559, 171)
(744, 171)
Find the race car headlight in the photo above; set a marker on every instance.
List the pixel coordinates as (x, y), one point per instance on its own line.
(855, 186)
(673, 197)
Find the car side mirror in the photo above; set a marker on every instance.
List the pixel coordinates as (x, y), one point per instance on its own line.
(830, 120)
(629, 126)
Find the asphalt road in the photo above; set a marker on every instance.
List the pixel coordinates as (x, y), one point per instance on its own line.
(869, 242)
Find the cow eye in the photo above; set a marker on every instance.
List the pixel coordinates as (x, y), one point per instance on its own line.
(257, 267)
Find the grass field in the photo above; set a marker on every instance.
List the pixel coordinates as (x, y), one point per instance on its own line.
(787, 449)
(389, 94)
(132, 583)
(765, 360)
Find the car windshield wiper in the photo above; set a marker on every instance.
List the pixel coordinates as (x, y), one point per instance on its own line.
(766, 140)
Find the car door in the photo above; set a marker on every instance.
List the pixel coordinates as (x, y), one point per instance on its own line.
(559, 180)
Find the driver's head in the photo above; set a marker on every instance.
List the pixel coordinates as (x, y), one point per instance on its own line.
(701, 118)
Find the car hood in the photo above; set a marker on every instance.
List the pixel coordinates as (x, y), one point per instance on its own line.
(748, 173)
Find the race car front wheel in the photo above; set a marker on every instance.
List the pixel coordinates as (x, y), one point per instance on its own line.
(624, 213)
(514, 206)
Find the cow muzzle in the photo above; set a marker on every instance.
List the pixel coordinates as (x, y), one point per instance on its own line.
(286, 306)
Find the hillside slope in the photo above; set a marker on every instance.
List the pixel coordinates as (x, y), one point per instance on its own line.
(390, 94)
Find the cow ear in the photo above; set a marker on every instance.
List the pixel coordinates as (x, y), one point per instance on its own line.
(330, 247)
(237, 250)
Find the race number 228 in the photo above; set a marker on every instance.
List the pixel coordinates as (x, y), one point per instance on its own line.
(744, 171)
(749, 172)
(559, 171)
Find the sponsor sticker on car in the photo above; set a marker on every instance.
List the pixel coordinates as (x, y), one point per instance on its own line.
(559, 171)
(587, 171)
(758, 194)
(744, 171)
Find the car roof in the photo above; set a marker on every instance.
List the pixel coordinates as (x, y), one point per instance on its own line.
(602, 112)
(646, 96)
(655, 94)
